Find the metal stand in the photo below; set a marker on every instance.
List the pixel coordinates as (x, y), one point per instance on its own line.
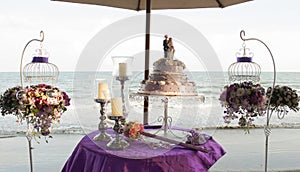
(117, 143)
(122, 80)
(29, 138)
(28, 134)
(269, 114)
(167, 120)
(102, 136)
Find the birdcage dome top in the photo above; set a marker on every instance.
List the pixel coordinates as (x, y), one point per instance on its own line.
(244, 69)
(39, 69)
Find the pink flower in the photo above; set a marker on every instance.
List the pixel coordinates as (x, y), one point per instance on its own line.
(133, 130)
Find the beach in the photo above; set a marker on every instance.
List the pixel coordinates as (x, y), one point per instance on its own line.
(245, 152)
(80, 41)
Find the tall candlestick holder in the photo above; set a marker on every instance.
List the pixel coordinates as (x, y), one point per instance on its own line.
(118, 142)
(102, 136)
(122, 80)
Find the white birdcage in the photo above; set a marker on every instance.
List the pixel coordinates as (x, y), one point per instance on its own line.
(39, 70)
(244, 69)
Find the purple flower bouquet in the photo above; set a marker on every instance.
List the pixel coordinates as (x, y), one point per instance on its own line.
(243, 101)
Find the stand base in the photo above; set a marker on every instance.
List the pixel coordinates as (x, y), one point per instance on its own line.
(117, 144)
(102, 137)
(167, 132)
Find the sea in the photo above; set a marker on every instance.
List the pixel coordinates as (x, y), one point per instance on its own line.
(83, 114)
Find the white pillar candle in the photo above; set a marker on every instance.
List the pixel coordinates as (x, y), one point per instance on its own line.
(117, 106)
(122, 69)
(103, 91)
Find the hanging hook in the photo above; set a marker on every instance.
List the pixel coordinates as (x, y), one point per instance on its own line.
(42, 36)
(242, 34)
(244, 49)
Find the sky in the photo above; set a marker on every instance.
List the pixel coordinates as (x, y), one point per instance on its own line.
(69, 27)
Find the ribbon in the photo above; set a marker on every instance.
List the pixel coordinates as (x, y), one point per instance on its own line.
(40, 60)
(244, 59)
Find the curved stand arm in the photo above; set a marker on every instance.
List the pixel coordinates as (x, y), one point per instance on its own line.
(21, 64)
(267, 128)
(28, 134)
(242, 34)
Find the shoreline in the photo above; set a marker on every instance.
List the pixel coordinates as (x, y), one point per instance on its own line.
(80, 130)
(245, 151)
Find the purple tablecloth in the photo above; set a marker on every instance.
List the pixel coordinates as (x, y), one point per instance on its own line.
(90, 156)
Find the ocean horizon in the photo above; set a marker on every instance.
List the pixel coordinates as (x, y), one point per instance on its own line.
(82, 116)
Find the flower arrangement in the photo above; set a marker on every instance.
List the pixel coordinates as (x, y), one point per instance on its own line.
(9, 103)
(133, 130)
(244, 101)
(39, 105)
(283, 97)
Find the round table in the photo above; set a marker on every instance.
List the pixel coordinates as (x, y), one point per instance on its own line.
(91, 156)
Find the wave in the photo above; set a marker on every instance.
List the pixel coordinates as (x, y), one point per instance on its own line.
(84, 130)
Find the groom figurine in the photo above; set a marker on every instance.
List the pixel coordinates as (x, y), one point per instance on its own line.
(166, 46)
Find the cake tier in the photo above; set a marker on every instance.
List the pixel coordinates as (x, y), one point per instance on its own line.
(175, 77)
(169, 65)
(168, 88)
(168, 78)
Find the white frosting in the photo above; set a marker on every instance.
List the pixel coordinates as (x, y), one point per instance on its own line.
(168, 79)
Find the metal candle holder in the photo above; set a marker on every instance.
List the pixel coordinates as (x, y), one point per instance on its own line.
(102, 136)
(117, 142)
(122, 80)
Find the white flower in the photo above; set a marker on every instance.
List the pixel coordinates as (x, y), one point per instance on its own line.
(240, 92)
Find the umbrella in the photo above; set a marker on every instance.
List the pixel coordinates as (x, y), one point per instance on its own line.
(147, 5)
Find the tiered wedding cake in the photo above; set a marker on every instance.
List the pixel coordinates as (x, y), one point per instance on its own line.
(168, 76)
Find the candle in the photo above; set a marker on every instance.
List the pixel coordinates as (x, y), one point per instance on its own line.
(117, 106)
(122, 69)
(103, 91)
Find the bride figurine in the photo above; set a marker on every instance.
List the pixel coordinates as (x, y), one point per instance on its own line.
(168, 47)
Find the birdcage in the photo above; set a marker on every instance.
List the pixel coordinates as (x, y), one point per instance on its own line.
(39, 70)
(244, 69)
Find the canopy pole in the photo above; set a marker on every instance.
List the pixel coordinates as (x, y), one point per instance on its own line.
(147, 56)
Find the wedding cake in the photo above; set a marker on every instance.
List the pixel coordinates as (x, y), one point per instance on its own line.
(168, 76)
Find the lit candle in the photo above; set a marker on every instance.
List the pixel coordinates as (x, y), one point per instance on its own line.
(122, 69)
(103, 91)
(117, 106)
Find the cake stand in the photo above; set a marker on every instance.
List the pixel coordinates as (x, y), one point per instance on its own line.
(165, 118)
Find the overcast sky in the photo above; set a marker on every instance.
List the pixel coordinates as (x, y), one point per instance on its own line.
(69, 27)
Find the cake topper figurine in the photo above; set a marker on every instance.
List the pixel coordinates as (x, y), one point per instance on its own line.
(165, 44)
(168, 47)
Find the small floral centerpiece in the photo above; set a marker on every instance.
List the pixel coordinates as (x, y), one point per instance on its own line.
(283, 98)
(133, 130)
(39, 105)
(243, 101)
